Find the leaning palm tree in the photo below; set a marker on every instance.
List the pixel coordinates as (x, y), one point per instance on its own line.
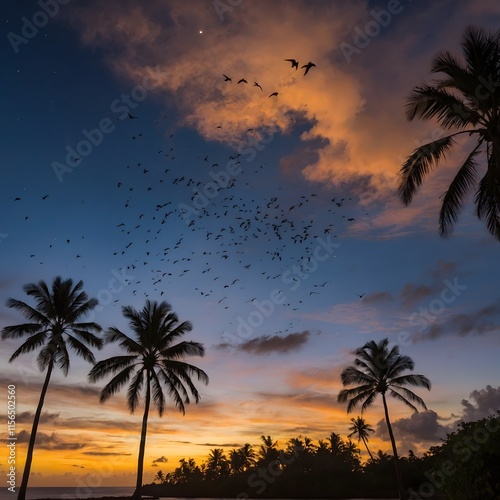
(55, 322)
(466, 100)
(153, 362)
(378, 370)
(361, 429)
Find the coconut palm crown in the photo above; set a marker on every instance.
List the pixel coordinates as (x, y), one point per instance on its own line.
(465, 99)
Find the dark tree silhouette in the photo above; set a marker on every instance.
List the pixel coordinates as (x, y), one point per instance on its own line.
(153, 361)
(55, 324)
(466, 99)
(378, 370)
(361, 429)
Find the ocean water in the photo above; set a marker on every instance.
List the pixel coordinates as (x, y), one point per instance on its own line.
(68, 493)
(62, 493)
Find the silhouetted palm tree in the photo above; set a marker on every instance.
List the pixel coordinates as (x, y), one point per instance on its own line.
(361, 429)
(217, 465)
(55, 324)
(466, 98)
(153, 361)
(160, 477)
(378, 370)
(242, 459)
(268, 451)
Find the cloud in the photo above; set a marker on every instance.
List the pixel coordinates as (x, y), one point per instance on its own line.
(105, 453)
(328, 99)
(268, 344)
(162, 459)
(326, 378)
(412, 294)
(480, 322)
(221, 445)
(425, 426)
(485, 402)
(49, 441)
(347, 114)
(45, 417)
(421, 426)
(377, 298)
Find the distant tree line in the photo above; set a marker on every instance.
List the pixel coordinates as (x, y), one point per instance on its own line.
(466, 466)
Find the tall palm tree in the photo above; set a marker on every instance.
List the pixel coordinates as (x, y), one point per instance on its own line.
(361, 429)
(55, 323)
(465, 99)
(378, 370)
(153, 362)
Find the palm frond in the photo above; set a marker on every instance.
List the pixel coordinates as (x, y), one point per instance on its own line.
(419, 164)
(158, 396)
(433, 103)
(399, 364)
(81, 349)
(412, 379)
(134, 389)
(116, 383)
(457, 192)
(36, 340)
(182, 349)
(174, 385)
(351, 375)
(124, 341)
(487, 198)
(61, 357)
(87, 337)
(368, 401)
(109, 366)
(403, 400)
(48, 351)
(28, 312)
(481, 51)
(18, 331)
(410, 395)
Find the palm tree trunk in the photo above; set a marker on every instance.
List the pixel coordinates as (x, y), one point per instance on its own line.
(366, 446)
(399, 479)
(142, 446)
(31, 445)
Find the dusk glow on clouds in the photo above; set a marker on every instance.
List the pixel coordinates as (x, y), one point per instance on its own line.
(300, 254)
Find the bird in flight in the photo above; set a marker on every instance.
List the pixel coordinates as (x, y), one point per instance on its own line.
(308, 66)
(255, 84)
(273, 94)
(361, 296)
(130, 117)
(242, 81)
(226, 78)
(295, 63)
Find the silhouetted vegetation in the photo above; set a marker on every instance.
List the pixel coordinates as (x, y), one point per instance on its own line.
(465, 466)
(379, 370)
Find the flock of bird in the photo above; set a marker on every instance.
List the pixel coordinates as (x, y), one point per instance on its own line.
(240, 241)
(295, 64)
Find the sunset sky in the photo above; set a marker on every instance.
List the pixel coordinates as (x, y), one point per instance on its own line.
(132, 163)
